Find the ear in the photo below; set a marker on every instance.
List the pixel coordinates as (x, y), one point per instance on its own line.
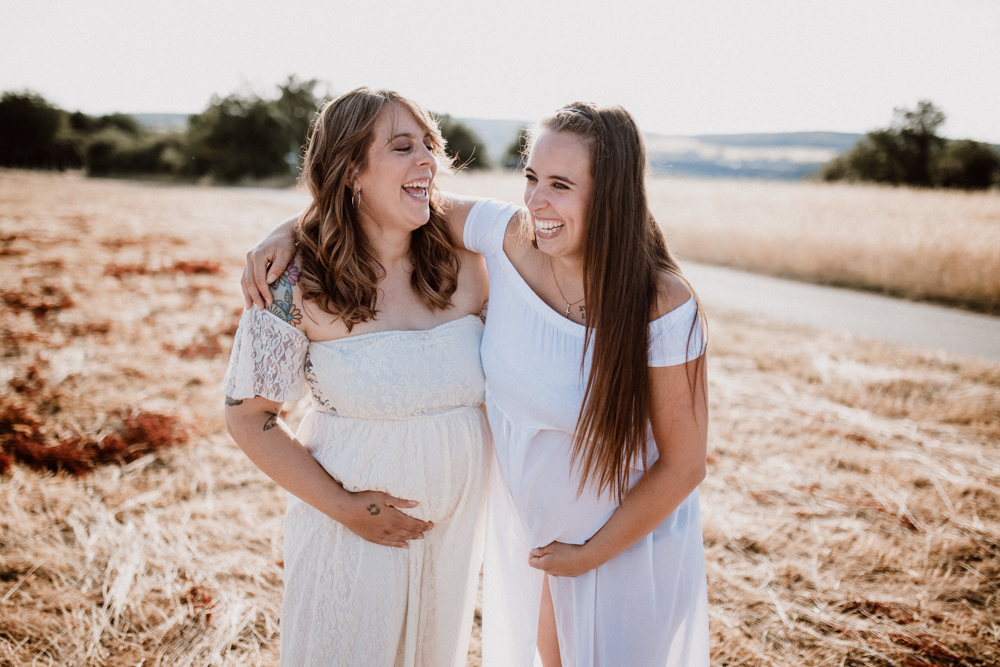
(353, 179)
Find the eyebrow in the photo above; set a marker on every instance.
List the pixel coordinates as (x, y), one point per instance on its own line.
(408, 135)
(556, 178)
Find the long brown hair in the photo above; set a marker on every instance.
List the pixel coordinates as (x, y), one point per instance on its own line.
(339, 271)
(625, 251)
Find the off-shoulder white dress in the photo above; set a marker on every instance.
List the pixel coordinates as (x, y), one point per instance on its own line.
(648, 605)
(393, 411)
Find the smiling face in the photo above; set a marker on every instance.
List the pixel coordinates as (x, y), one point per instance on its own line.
(395, 184)
(558, 192)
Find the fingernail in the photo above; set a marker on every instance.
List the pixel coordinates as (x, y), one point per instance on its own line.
(419, 537)
(535, 552)
(411, 503)
(270, 278)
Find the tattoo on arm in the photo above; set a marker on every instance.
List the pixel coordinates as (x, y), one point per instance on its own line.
(281, 292)
(233, 401)
(373, 509)
(272, 421)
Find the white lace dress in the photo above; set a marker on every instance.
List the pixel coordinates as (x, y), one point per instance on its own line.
(393, 411)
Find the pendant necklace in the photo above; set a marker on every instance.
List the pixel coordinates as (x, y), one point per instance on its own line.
(568, 304)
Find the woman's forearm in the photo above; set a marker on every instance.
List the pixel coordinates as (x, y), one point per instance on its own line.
(654, 498)
(272, 447)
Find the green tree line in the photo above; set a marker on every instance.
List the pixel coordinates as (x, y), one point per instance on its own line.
(237, 137)
(910, 152)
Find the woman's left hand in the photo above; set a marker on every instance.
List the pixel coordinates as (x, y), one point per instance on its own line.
(561, 560)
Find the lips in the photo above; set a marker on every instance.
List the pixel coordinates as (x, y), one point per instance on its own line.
(417, 189)
(546, 228)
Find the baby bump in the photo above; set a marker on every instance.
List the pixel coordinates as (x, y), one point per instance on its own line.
(538, 471)
(435, 459)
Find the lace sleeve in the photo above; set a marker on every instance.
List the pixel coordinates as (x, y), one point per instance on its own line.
(268, 359)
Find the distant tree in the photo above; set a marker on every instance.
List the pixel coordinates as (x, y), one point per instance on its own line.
(515, 153)
(237, 137)
(82, 123)
(113, 152)
(462, 143)
(30, 133)
(246, 136)
(905, 153)
(119, 121)
(297, 106)
(967, 164)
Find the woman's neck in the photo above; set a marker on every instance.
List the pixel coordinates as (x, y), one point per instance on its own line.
(571, 267)
(389, 246)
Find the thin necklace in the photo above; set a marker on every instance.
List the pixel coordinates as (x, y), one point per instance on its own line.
(568, 304)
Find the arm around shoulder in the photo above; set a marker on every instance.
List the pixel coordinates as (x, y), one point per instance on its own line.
(266, 261)
(456, 210)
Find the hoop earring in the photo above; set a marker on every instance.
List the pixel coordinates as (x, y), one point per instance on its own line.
(358, 195)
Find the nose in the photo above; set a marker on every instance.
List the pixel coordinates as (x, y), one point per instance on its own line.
(534, 197)
(423, 155)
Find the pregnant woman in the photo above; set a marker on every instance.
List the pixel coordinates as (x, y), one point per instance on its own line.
(596, 394)
(377, 315)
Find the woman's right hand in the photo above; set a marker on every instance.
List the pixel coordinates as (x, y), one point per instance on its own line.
(266, 261)
(374, 516)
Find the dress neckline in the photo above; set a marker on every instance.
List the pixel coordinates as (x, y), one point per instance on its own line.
(302, 334)
(532, 297)
(550, 313)
(370, 334)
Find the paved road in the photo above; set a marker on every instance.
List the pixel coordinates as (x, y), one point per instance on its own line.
(860, 313)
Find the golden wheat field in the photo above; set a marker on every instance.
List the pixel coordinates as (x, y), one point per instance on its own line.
(934, 245)
(851, 512)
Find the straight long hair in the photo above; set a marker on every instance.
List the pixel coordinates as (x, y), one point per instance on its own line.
(339, 271)
(625, 252)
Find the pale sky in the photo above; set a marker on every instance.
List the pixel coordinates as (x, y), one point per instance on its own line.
(693, 67)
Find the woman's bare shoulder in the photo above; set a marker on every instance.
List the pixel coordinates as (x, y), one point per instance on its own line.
(517, 237)
(672, 292)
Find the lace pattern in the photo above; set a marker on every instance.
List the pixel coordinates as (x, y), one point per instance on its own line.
(268, 359)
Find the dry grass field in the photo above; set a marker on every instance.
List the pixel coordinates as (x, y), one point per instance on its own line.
(934, 245)
(851, 514)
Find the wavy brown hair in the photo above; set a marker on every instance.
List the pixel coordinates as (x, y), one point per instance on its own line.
(339, 271)
(625, 251)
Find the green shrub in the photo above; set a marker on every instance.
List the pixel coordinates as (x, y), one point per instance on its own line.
(30, 133)
(909, 152)
(117, 153)
(968, 164)
(239, 137)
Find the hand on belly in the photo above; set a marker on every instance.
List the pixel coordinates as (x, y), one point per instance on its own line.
(562, 560)
(374, 516)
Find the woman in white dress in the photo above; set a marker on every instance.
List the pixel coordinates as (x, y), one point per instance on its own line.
(377, 316)
(596, 393)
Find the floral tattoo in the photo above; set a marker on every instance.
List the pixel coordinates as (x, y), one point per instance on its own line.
(281, 292)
